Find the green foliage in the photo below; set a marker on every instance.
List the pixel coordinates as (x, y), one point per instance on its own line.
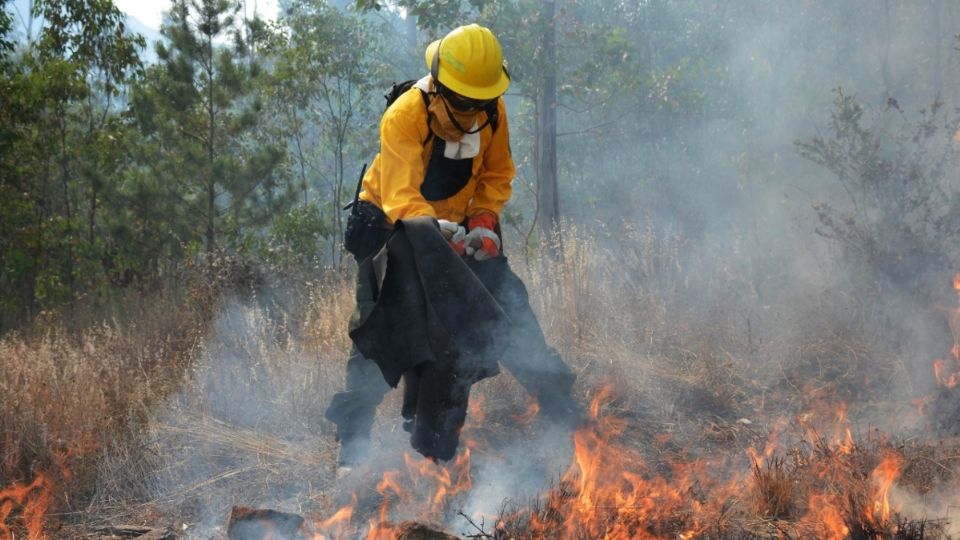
(6, 23)
(57, 151)
(295, 240)
(200, 114)
(91, 36)
(246, 135)
(325, 96)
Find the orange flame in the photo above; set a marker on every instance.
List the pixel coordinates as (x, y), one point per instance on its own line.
(955, 319)
(944, 380)
(609, 491)
(845, 444)
(882, 478)
(440, 483)
(445, 486)
(475, 409)
(828, 517)
(33, 500)
(770, 447)
(948, 376)
(337, 525)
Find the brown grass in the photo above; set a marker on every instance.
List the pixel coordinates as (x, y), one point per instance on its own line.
(774, 490)
(201, 401)
(68, 395)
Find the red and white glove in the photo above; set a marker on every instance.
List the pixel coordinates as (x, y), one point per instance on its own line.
(454, 233)
(481, 241)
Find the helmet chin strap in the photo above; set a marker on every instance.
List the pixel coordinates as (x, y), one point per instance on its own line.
(454, 118)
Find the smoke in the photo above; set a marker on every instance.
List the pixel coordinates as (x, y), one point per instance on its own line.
(513, 476)
(246, 426)
(721, 177)
(703, 285)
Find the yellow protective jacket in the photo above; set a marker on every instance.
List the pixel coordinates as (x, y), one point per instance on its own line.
(394, 179)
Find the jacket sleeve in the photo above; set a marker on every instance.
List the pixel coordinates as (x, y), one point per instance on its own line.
(495, 176)
(401, 166)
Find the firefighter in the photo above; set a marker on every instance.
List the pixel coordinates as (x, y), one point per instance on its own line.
(445, 153)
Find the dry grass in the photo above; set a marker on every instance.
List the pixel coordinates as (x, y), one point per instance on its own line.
(210, 400)
(100, 410)
(773, 490)
(67, 396)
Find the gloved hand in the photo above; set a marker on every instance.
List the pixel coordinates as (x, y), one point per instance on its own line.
(481, 241)
(454, 233)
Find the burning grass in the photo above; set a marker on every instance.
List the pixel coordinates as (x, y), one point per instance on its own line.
(813, 487)
(726, 420)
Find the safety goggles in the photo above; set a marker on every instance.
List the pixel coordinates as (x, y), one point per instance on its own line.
(463, 104)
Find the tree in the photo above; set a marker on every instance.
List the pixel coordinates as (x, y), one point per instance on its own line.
(332, 115)
(59, 119)
(548, 201)
(200, 117)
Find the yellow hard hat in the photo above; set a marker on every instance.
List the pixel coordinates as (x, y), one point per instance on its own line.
(469, 61)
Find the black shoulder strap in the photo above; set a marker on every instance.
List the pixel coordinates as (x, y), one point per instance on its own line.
(397, 90)
(426, 106)
(356, 196)
(493, 114)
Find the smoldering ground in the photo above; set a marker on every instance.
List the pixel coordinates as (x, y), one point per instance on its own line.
(247, 429)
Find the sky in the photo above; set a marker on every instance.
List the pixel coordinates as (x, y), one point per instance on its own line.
(150, 12)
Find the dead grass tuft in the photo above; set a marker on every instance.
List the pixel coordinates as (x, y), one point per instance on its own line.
(773, 490)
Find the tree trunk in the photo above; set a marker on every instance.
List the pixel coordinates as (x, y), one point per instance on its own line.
(92, 222)
(211, 184)
(65, 184)
(411, 31)
(548, 216)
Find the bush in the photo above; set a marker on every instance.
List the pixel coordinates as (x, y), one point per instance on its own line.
(900, 220)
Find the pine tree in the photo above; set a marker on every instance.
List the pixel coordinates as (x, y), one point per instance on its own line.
(200, 113)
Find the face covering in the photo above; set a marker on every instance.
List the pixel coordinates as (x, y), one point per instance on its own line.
(448, 123)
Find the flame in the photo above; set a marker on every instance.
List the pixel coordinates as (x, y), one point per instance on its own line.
(944, 380)
(475, 410)
(882, 478)
(337, 525)
(440, 483)
(955, 320)
(845, 444)
(609, 491)
(446, 485)
(33, 499)
(825, 510)
(948, 376)
(382, 531)
(770, 447)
